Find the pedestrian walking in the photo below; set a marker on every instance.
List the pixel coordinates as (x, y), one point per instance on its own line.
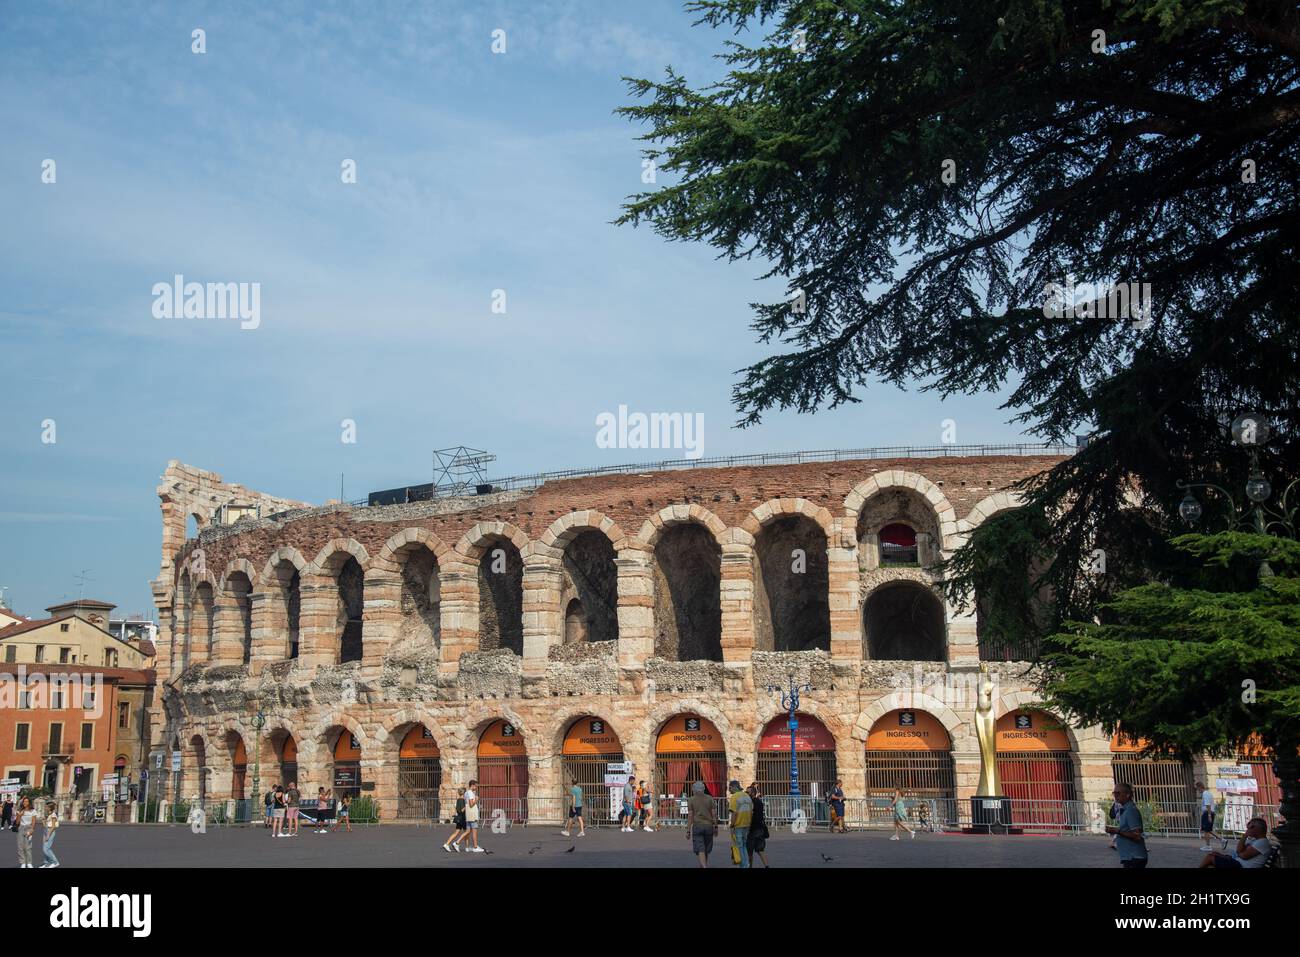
(702, 818)
(292, 798)
(51, 829)
(575, 811)
(835, 798)
(344, 816)
(471, 816)
(7, 812)
(899, 807)
(645, 803)
(277, 812)
(269, 806)
(25, 818)
(1207, 819)
(742, 813)
(628, 814)
(458, 822)
(1129, 840)
(758, 832)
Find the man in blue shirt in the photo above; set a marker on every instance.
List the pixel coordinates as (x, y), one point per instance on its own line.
(1130, 843)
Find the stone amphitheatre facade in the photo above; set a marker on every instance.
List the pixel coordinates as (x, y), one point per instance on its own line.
(626, 599)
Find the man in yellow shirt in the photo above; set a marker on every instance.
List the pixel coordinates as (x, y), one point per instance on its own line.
(742, 811)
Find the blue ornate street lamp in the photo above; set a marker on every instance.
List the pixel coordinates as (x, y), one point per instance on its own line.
(259, 722)
(790, 701)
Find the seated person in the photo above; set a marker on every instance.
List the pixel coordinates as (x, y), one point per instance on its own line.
(1252, 849)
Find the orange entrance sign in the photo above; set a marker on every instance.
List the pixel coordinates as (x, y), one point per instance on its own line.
(501, 739)
(591, 736)
(1027, 730)
(811, 735)
(347, 748)
(289, 751)
(419, 743)
(908, 730)
(689, 733)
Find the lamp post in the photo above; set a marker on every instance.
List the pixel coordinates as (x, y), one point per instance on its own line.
(790, 701)
(259, 722)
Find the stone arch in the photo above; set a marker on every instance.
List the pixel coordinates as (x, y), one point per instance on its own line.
(654, 527)
(479, 716)
(1030, 701)
(988, 507)
(588, 583)
(836, 724)
(887, 613)
(686, 571)
(329, 559)
(339, 718)
(910, 701)
(568, 527)
(303, 739)
(238, 565)
(662, 713)
(791, 573)
(891, 478)
(474, 543)
(387, 736)
(388, 557)
(286, 553)
(564, 719)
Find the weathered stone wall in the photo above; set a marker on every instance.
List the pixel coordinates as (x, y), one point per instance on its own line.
(688, 596)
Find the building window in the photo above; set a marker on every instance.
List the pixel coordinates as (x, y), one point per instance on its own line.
(898, 545)
(88, 700)
(56, 738)
(64, 627)
(123, 714)
(11, 653)
(56, 700)
(23, 737)
(24, 700)
(110, 658)
(63, 655)
(40, 654)
(87, 736)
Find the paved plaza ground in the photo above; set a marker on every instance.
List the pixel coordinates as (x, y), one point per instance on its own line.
(143, 846)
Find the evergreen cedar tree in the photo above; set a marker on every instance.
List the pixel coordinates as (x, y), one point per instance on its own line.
(1125, 141)
(1148, 141)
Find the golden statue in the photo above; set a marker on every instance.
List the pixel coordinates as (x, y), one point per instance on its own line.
(986, 729)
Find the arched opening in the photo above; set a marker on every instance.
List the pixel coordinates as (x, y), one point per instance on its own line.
(241, 590)
(904, 621)
(1036, 767)
(814, 755)
(421, 597)
(897, 528)
(419, 775)
(575, 623)
(898, 545)
(591, 580)
(911, 751)
(286, 605)
(689, 748)
(503, 772)
(286, 756)
(1164, 784)
(238, 765)
(791, 586)
(501, 596)
(193, 525)
(201, 624)
(688, 594)
(198, 753)
(346, 771)
(349, 582)
(589, 750)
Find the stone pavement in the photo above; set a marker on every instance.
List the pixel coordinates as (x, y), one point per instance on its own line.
(143, 846)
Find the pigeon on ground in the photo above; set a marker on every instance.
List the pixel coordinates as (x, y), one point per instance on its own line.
(825, 858)
(572, 849)
(534, 849)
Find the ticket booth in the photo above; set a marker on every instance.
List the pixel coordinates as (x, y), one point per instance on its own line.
(503, 771)
(689, 748)
(590, 747)
(1036, 767)
(419, 775)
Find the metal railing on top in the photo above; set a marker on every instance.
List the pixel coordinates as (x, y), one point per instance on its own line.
(418, 493)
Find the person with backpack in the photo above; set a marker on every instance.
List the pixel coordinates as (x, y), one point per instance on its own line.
(756, 843)
(270, 803)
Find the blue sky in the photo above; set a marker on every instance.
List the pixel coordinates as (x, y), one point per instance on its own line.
(475, 172)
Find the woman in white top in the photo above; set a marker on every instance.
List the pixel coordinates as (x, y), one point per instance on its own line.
(26, 825)
(51, 827)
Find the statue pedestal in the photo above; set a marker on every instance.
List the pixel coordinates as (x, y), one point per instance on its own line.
(990, 814)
